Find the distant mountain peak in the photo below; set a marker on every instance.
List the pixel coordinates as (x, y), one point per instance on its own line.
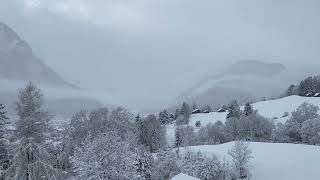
(18, 62)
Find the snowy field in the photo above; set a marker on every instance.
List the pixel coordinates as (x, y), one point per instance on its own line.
(183, 177)
(274, 161)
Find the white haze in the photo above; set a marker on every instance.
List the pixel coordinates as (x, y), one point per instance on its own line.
(143, 54)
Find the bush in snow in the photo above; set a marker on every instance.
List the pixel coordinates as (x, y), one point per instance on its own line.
(198, 124)
(200, 166)
(310, 131)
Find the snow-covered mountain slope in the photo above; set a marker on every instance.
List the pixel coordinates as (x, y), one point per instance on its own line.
(18, 62)
(274, 161)
(248, 80)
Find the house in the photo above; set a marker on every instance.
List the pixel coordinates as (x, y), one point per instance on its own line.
(183, 177)
(317, 95)
(206, 111)
(196, 111)
(221, 110)
(309, 95)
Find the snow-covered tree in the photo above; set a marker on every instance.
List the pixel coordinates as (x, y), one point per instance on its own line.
(233, 127)
(98, 119)
(212, 134)
(304, 112)
(164, 117)
(280, 133)
(185, 114)
(200, 166)
(151, 133)
(105, 157)
(248, 109)
(144, 164)
(255, 127)
(307, 86)
(177, 114)
(31, 159)
(292, 90)
(241, 156)
(165, 166)
(184, 136)
(4, 158)
(234, 110)
(310, 131)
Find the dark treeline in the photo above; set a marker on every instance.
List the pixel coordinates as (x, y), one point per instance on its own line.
(308, 87)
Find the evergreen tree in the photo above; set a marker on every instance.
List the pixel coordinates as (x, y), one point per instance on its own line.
(248, 109)
(234, 110)
(151, 133)
(4, 158)
(164, 117)
(144, 165)
(177, 113)
(31, 160)
(185, 113)
(292, 90)
(307, 87)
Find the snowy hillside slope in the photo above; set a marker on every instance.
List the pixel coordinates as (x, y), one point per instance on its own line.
(269, 109)
(274, 161)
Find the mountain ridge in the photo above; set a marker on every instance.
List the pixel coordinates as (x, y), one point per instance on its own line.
(18, 62)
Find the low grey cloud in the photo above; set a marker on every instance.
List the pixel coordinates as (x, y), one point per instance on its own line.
(144, 53)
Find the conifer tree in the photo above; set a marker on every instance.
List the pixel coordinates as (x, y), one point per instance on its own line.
(4, 158)
(31, 160)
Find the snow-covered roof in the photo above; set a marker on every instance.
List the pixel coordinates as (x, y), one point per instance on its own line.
(317, 94)
(184, 177)
(196, 110)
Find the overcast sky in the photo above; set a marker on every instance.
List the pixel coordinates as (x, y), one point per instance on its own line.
(144, 52)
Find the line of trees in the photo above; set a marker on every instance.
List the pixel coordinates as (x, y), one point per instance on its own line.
(307, 87)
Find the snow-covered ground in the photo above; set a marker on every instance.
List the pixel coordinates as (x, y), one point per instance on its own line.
(183, 177)
(274, 161)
